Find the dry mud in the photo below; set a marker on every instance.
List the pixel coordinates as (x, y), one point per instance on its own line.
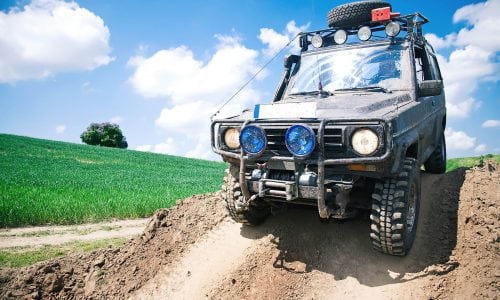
(193, 251)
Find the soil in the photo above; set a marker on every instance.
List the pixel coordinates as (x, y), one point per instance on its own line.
(194, 251)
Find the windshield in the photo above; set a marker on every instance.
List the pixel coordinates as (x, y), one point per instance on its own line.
(377, 66)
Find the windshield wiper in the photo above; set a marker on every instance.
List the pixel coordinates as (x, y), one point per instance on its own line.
(313, 93)
(366, 88)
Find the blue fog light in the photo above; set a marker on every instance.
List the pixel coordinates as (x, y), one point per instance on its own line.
(300, 140)
(253, 139)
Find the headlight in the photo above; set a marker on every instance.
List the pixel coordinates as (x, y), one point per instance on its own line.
(231, 138)
(253, 139)
(300, 140)
(364, 141)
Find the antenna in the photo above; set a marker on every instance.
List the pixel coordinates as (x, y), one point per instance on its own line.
(253, 77)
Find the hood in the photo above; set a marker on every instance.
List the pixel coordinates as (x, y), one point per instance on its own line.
(358, 105)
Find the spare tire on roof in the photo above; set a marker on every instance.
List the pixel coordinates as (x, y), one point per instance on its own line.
(354, 13)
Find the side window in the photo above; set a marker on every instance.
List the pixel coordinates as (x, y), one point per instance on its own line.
(435, 67)
(418, 68)
(423, 67)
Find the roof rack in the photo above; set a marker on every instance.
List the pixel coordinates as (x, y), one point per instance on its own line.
(411, 23)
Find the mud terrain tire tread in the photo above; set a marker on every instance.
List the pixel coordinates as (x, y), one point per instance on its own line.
(436, 163)
(353, 14)
(239, 209)
(389, 209)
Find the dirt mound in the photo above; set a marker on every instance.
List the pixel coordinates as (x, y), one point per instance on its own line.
(116, 272)
(193, 251)
(477, 253)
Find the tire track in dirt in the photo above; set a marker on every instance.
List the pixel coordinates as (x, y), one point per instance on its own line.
(202, 266)
(57, 235)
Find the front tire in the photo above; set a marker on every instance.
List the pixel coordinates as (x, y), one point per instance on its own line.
(240, 210)
(395, 209)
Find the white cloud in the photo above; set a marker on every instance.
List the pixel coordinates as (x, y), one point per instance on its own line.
(441, 43)
(116, 119)
(481, 148)
(483, 25)
(458, 140)
(474, 56)
(276, 41)
(167, 147)
(145, 148)
(176, 73)
(60, 128)
(50, 36)
(194, 89)
(491, 123)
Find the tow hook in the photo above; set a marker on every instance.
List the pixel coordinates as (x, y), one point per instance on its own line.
(341, 200)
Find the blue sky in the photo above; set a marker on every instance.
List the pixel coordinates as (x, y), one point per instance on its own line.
(160, 68)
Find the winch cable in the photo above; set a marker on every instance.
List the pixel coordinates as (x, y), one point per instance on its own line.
(253, 76)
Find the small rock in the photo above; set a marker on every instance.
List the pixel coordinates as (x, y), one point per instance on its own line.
(233, 281)
(489, 221)
(28, 278)
(53, 283)
(49, 268)
(68, 270)
(34, 295)
(99, 262)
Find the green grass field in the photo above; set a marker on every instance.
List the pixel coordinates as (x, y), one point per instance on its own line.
(469, 162)
(49, 182)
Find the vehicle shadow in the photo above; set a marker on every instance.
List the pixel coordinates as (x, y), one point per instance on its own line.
(344, 250)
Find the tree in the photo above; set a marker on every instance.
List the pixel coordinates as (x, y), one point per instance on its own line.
(104, 134)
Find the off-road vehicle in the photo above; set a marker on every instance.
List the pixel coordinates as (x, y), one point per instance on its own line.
(354, 118)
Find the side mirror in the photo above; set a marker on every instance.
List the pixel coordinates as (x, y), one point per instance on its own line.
(290, 60)
(430, 88)
(304, 43)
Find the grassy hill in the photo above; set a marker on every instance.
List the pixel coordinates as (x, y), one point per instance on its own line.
(468, 162)
(49, 182)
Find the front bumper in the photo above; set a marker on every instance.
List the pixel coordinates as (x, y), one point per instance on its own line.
(292, 190)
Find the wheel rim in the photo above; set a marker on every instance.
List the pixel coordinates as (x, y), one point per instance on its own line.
(411, 210)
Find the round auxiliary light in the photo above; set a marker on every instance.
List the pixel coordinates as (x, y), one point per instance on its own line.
(364, 141)
(253, 139)
(300, 140)
(317, 41)
(340, 36)
(232, 138)
(364, 33)
(392, 29)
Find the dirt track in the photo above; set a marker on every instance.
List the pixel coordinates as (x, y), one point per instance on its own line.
(58, 235)
(194, 251)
